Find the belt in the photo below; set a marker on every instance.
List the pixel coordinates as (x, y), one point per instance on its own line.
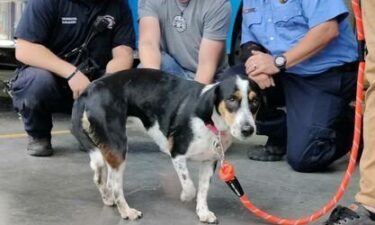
(347, 67)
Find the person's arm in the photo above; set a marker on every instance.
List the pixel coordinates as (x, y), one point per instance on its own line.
(37, 55)
(210, 52)
(123, 41)
(314, 41)
(122, 59)
(211, 49)
(149, 42)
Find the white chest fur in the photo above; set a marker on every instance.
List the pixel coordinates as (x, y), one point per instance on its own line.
(202, 146)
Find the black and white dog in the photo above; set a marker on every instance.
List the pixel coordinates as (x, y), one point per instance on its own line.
(175, 113)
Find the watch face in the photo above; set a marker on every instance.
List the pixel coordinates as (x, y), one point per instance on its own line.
(280, 61)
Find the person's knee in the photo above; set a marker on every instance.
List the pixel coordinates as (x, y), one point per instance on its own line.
(32, 87)
(315, 156)
(36, 80)
(300, 164)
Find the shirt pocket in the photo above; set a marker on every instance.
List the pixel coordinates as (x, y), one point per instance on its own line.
(289, 20)
(253, 23)
(252, 19)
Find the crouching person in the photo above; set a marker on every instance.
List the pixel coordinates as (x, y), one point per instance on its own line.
(63, 46)
(308, 65)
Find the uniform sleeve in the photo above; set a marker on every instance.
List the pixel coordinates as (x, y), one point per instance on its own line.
(124, 30)
(217, 21)
(37, 21)
(320, 11)
(148, 8)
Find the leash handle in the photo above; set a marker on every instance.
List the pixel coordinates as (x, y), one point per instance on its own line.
(227, 174)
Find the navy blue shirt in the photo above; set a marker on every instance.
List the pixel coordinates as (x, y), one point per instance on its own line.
(63, 25)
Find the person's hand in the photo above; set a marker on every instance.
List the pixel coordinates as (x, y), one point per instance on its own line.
(260, 63)
(78, 83)
(263, 80)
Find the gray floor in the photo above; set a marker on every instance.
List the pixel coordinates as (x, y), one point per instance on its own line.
(59, 190)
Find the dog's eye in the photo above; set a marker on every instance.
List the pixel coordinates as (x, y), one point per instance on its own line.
(232, 103)
(231, 99)
(254, 105)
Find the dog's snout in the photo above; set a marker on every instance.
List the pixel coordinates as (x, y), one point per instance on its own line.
(247, 130)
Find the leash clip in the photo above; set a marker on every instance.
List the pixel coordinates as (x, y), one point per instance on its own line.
(218, 148)
(217, 144)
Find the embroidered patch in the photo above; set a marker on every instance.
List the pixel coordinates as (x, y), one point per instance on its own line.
(68, 20)
(248, 10)
(179, 23)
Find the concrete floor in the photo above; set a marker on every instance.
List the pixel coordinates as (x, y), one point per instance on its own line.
(59, 190)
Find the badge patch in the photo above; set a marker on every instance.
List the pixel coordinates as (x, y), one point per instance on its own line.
(68, 20)
(179, 23)
(248, 10)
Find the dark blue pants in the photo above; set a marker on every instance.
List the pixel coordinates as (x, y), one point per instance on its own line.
(319, 121)
(37, 94)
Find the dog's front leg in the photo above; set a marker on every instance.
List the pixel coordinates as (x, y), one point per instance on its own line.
(188, 189)
(205, 173)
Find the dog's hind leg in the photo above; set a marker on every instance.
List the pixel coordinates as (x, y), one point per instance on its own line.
(205, 173)
(98, 165)
(115, 176)
(188, 189)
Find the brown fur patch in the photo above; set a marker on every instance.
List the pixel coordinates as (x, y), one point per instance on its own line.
(252, 95)
(170, 143)
(225, 114)
(237, 95)
(112, 158)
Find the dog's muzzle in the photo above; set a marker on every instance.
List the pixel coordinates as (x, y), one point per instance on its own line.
(247, 130)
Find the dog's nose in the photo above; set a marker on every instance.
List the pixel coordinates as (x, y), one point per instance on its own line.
(247, 130)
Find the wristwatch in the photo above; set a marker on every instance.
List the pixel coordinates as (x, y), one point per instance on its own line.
(280, 62)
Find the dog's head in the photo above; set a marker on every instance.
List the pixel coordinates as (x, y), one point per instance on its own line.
(233, 103)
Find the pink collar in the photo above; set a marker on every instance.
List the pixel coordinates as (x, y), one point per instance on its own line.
(212, 128)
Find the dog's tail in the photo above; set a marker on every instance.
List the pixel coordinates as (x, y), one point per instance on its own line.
(79, 117)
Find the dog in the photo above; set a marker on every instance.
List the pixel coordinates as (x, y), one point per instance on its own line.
(176, 113)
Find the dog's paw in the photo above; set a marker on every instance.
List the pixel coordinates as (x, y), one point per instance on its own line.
(207, 217)
(188, 194)
(131, 214)
(108, 201)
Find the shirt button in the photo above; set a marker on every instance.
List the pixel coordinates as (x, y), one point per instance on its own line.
(272, 38)
(269, 20)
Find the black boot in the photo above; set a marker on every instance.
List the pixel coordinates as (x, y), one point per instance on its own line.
(274, 150)
(39, 147)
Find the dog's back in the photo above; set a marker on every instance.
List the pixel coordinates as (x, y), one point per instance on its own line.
(151, 95)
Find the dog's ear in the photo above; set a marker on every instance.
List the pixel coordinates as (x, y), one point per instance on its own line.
(262, 96)
(207, 103)
(254, 86)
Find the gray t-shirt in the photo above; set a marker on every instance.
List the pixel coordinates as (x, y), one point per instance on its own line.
(183, 26)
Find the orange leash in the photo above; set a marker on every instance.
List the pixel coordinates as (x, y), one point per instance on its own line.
(227, 173)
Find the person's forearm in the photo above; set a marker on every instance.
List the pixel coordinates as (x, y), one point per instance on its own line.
(149, 56)
(205, 73)
(37, 55)
(120, 63)
(314, 41)
(210, 53)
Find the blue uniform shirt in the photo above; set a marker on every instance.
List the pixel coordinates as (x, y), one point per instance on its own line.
(63, 25)
(279, 26)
